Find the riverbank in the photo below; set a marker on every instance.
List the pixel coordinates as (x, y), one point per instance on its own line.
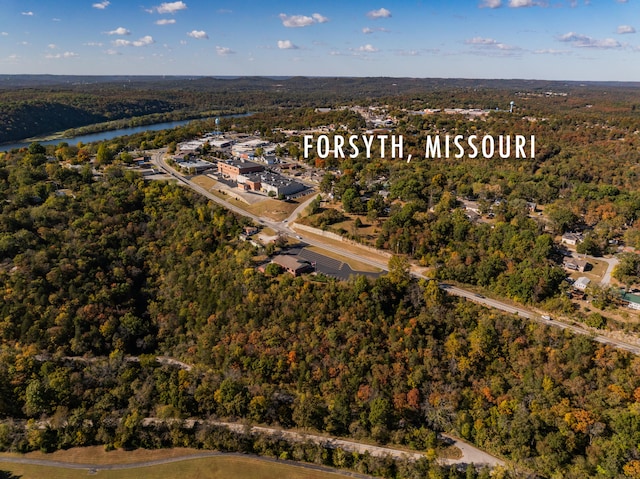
(100, 133)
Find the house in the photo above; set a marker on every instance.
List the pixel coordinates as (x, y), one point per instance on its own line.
(250, 230)
(581, 283)
(571, 239)
(632, 300)
(293, 265)
(576, 264)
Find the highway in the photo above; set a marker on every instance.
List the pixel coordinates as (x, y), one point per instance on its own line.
(283, 227)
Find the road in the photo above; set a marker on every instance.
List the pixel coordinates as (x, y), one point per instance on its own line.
(283, 227)
(470, 454)
(611, 263)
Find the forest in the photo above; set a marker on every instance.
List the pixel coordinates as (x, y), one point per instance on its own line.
(34, 105)
(99, 268)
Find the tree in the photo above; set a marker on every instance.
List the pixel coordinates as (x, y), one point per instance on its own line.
(351, 201)
(627, 270)
(314, 206)
(588, 246)
(104, 155)
(327, 183)
(399, 271)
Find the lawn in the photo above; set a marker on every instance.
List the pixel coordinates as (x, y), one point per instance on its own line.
(220, 467)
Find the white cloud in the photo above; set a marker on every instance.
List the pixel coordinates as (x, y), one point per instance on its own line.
(320, 18)
(144, 41)
(286, 45)
(198, 34)
(113, 52)
(169, 7)
(368, 48)
(368, 30)
(491, 4)
(408, 53)
(119, 31)
(94, 44)
(481, 41)
(28, 14)
(489, 44)
(380, 13)
(61, 55)
(583, 41)
(4, 34)
(52, 46)
(521, 3)
(101, 5)
(622, 29)
(166, 21)
(298, 21)
(551, 51)
(223, 51)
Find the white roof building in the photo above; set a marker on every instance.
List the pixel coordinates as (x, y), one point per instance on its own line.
(581, 283)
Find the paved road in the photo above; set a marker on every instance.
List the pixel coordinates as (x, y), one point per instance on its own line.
(158, 158)
(611, 263)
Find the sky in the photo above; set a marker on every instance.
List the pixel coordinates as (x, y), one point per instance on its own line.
(581, 40)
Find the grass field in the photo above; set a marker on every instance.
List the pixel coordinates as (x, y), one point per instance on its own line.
(221, 467)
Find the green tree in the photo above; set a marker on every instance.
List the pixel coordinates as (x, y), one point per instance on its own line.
(627, 270)
(399, 271)
(104, 156)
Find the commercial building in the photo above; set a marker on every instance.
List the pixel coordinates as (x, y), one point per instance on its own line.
(268, 182)
(194, 166)
(234, 168)
(293, 265)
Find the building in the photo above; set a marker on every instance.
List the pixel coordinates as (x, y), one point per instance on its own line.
(632, 300)
(247, 149)
(233, 168)
(269, 183)
(576, 264)
(195, 167)
(571, 239)
(581, 283)
(221, 143)
(293, 265)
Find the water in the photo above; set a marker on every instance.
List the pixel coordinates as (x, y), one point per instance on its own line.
(106, 135)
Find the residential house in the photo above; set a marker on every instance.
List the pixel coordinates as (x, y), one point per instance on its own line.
(571, 239)
(576, 264)
(581, 283)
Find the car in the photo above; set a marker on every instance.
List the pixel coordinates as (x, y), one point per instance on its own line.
(547, 317)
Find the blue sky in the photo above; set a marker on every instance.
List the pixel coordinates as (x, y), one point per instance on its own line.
(534, 39)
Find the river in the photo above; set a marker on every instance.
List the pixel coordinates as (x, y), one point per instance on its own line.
(106, 135)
